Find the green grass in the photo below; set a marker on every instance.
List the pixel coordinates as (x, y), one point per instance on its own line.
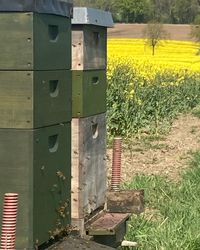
(172, 217)
(196, 111)
(145, 142)
(194, 129)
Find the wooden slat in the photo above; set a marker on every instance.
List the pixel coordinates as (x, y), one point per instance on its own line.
(77, 178)
(77, 50)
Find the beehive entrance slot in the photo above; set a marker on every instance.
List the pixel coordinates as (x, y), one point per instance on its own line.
(53, 32)
(95, 80)
(95, 130)
(53, 88)
(96, 36)
(53, 143)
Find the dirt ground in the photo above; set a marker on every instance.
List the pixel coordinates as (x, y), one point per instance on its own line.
(168, 155)
(174, 31)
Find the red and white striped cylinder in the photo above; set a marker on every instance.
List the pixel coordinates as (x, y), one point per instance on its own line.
(8, 231)
(116, 164)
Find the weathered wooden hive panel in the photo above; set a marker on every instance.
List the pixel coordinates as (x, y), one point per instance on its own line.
(36, 164)
(88, 92)
(32, 41)
(88, 164)
(89, 38)
(33, 99)
(89, 47)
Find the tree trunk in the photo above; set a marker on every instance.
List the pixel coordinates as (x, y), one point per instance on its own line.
(153, 50)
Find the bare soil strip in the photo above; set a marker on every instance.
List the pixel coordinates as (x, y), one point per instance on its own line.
(167, 156)
(174, 31)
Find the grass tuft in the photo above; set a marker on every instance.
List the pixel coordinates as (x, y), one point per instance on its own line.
(196, 111)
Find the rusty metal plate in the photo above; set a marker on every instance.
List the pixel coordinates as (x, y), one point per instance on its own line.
(125, 201)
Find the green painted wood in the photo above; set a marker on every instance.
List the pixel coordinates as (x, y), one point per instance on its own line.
(33, 99)
(36, 164)
(88, 93)
(31, 41)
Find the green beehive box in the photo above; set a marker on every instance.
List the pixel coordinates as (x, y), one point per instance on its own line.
(33, 99)
(31, 41)
(36, 164)
(88, 93)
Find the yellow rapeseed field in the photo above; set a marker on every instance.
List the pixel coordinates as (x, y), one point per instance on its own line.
(144, 90)
(177, 57)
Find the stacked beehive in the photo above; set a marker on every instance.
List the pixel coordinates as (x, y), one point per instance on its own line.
(89, 42)
(35, 115)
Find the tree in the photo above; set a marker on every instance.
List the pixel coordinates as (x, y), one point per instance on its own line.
(162, 10)
(100, 4)
(131, 10)
(186, 10)
(154, 33)
(195, 32)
